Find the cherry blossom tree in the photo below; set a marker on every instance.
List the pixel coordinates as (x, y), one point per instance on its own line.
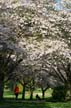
(35, 26)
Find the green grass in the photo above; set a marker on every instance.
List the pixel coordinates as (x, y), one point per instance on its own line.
(10, 102)
(10, 94)
(33, 104)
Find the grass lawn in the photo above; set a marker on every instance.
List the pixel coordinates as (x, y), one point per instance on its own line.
(33, 104)
(10, 94)
(10, 102)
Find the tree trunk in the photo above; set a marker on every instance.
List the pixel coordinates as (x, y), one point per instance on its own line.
(23, 93)
(70, 91)
(31, 94)
(43, 94)
(1, 86)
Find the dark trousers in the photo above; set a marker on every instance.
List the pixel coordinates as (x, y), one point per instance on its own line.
(16, 94)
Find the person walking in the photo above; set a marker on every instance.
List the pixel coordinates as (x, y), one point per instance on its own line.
(16, 91)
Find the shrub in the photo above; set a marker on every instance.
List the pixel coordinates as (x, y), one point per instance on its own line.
(59, 93)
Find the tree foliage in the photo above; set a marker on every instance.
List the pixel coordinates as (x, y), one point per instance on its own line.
(44, 33)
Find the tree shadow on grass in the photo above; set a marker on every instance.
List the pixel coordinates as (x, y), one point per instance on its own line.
(12, 103)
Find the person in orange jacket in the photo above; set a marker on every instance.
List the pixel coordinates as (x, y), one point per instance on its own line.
(16, 91)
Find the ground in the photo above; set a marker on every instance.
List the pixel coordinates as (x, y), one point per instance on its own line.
(10, 102)
(33, 104)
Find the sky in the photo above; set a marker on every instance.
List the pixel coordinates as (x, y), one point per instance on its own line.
(58, 5)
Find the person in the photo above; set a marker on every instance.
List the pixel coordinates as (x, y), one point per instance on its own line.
(16, 91)
(37, 97)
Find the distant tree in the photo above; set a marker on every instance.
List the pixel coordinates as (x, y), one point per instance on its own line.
(42, 82)
(26, 76)
(10, 53)
(60, 71)
(7, 65)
